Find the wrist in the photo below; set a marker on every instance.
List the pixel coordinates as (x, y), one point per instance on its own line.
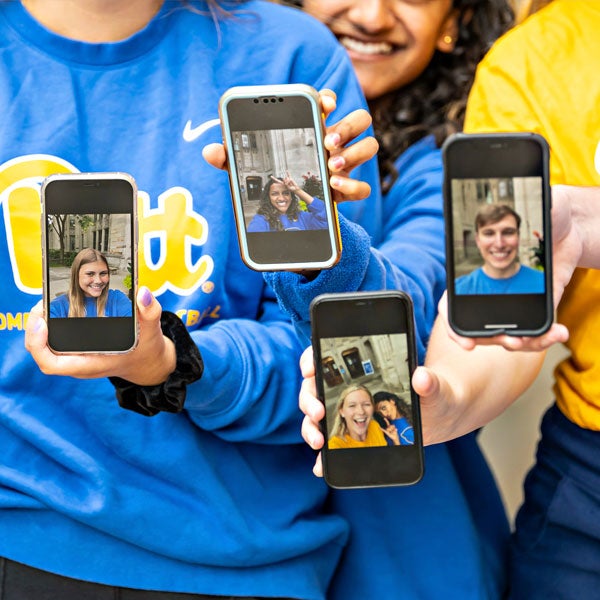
(184, 365)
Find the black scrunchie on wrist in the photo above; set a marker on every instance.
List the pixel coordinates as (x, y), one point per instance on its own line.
(168, 396)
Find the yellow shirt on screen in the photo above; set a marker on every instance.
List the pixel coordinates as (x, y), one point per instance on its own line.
(375, 437)
(544, 76)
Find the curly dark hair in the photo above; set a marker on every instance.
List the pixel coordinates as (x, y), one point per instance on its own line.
(401, 405)
(434, 103)
(271, 214)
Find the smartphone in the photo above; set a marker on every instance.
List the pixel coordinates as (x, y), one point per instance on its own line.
(498, 235)
(89, 248)
(365, 354)
(285, 215)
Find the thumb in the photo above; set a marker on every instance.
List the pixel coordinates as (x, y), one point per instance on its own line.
(149, 308)
(214, 154)
(425, 382)
(36, 331)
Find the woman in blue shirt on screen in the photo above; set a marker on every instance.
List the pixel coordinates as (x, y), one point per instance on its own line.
(280, 208)
(89, 294)
(395, 412)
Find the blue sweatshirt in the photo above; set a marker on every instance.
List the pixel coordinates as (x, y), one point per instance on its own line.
(117, 305)
(314, 217)
(219, 499)
(445, 537)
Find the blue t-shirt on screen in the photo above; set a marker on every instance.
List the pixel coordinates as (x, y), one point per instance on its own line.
(314, 218)
(406, 433)
(117, 305)
(525, 281)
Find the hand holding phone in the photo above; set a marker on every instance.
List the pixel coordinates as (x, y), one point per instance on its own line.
(274, 135)
(498, 235)
(364, 356)
(90, 262)
(346, 151)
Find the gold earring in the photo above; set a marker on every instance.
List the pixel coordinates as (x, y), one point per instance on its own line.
(448, 39)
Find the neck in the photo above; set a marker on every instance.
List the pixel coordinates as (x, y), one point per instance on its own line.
(501, 273)
(93, 21)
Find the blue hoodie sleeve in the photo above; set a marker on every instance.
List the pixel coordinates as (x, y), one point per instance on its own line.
(249, 388)
(408, 256)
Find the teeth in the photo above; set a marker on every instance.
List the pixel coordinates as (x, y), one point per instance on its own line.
(370, 48)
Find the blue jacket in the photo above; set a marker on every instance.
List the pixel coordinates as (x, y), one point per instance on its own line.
(219, 499)
(446, 536)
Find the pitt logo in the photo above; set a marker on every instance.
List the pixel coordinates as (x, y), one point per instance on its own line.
(174, 224)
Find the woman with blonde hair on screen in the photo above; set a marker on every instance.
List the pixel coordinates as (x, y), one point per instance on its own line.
(89, 294)
(354, 426)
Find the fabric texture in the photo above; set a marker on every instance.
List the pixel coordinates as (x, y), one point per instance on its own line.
(219, 498)
(556, 545)
(437, 535)
(511, 93)
(170, 395)
(534, 77)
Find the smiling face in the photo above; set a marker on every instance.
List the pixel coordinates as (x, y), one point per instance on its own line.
(498, 244)
(388, 409)
(390, 42)
(93, 278)
(357, 411)
(280, 197)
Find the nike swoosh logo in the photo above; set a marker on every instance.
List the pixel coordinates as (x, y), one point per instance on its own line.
(193, 133)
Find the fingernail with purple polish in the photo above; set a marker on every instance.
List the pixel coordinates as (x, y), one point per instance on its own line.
(146, 297)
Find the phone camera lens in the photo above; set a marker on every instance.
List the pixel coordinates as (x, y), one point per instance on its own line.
(265, 100)
(255, 100)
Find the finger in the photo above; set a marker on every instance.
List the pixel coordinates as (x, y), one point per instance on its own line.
(277, 180)
(214, 154)
(557, 333)
(308, 402)
(76, 365)
(36, 332)
(347, 129)
(312, 434)
(328, 101)
(149, 309)
(354, 155)
(307, 363)
(318, 468)
(346, 188)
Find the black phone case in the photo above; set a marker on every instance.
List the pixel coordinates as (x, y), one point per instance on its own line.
(356, 315)
(497, 155)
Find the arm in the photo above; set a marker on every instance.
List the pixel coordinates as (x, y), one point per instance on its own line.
(459, 390)
(408, 253)
(462, 390)
(249, 389)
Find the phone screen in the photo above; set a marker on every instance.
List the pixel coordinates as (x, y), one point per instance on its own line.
(498, 234)
(284, 211)
(89, 263)
(364, 358)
